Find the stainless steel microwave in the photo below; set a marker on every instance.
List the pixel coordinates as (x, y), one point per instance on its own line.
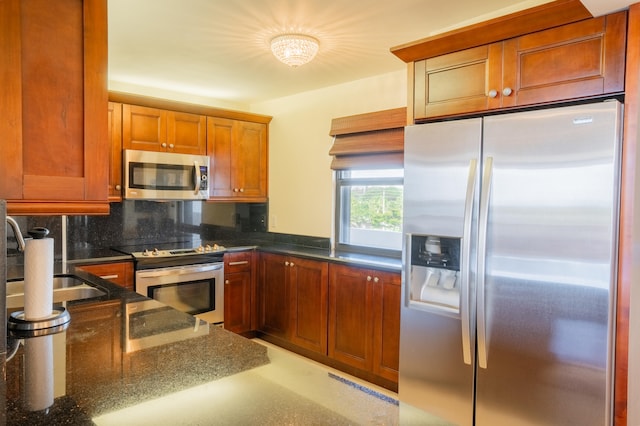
(150, 175)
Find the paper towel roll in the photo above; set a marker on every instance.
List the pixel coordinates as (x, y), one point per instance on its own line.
(38, 370)
(38, 278)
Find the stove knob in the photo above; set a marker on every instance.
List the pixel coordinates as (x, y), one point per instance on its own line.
(216, 247)
(200, 249)
(208, 248)
(156, 252)
(145, 252)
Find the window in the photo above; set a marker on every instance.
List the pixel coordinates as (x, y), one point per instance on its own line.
(369, 211)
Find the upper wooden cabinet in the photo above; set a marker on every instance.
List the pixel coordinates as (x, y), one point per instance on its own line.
(573, 61)
(238, 151)
(154, 129)
(53, 57)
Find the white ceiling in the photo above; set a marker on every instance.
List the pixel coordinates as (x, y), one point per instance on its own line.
(219, 49)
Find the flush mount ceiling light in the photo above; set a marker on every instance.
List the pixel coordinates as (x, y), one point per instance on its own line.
(294, 49)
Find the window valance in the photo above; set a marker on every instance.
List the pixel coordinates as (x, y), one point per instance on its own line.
(371, 140)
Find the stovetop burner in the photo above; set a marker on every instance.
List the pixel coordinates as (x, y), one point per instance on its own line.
(169, 249)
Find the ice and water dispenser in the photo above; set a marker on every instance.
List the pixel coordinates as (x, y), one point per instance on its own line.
(435, 272)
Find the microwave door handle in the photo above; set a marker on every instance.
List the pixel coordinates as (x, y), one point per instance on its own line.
(197, 179)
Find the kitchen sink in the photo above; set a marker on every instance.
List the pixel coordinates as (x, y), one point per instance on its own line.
(65, 288)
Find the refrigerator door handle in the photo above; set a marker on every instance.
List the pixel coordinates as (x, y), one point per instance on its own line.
(482, 251)
(465, 316)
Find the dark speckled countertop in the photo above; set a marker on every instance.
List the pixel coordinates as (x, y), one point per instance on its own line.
(94, 366)
(89, 254)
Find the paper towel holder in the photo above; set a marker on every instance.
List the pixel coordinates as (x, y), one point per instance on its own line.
(57, 322)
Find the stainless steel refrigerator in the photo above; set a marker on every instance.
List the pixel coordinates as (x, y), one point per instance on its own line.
(509, 266)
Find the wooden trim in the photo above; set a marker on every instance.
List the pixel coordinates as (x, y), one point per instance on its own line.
(381, 141)
(373, 161)
(379, 120)
(11, 99)
(96, 143)
(516, 24)
(127, 98)
(48, 208)
(629, 226)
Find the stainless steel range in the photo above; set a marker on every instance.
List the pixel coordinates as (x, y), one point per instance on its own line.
(186, 277)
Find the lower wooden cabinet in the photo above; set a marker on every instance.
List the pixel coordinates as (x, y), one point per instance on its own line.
(364, 319)
(120, 273)
(344, 316)
(293, 300)
(238, 279)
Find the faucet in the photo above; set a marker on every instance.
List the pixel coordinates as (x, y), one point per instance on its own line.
(16, 231)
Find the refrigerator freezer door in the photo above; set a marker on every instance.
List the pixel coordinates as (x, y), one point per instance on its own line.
(550, 266)
(441, 171)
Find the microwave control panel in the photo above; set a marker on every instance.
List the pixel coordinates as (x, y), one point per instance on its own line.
(204, 178)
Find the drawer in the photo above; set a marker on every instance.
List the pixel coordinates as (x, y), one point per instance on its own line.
(120, 273)
(237, 261)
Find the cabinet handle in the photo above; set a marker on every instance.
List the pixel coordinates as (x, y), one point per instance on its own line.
(241, 262)
(493, 93)
(164, 144)
(109, 277)
(507, 91)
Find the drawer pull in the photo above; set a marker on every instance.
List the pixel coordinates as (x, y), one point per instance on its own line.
(109, 277)
(240, 262)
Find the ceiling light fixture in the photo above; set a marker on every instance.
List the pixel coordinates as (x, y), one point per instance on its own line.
(294, 49)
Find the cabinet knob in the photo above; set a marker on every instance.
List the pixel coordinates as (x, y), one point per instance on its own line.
(164, 144)
(226, 281)
(118, 187)
(507, 91)
(171, 145)
(241, 189)
(493, 93)
(286, 263)
(235, 189)
(368, 277)
(291, 264)
(376, 279)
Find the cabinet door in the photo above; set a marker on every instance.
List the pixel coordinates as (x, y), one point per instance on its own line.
(120, 273)
(250, 160)
(237, 302)
(53, 57)
(458, 82)
(309, 287)
(386, 321)
(115, 164)
(144, 128)
(350, 316)
(237, 291)
(186, 133)
(219, 148)
(238, 151)
(273, 309)
(573, 61)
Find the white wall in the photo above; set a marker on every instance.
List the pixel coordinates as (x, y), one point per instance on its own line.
(300, 180)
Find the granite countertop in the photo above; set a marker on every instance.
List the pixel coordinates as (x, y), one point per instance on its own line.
(97, 365)
(86, 254)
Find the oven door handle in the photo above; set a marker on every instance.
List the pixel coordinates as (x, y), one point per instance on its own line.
(178, 271)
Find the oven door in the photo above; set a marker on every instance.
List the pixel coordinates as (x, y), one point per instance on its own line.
(195, 289)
